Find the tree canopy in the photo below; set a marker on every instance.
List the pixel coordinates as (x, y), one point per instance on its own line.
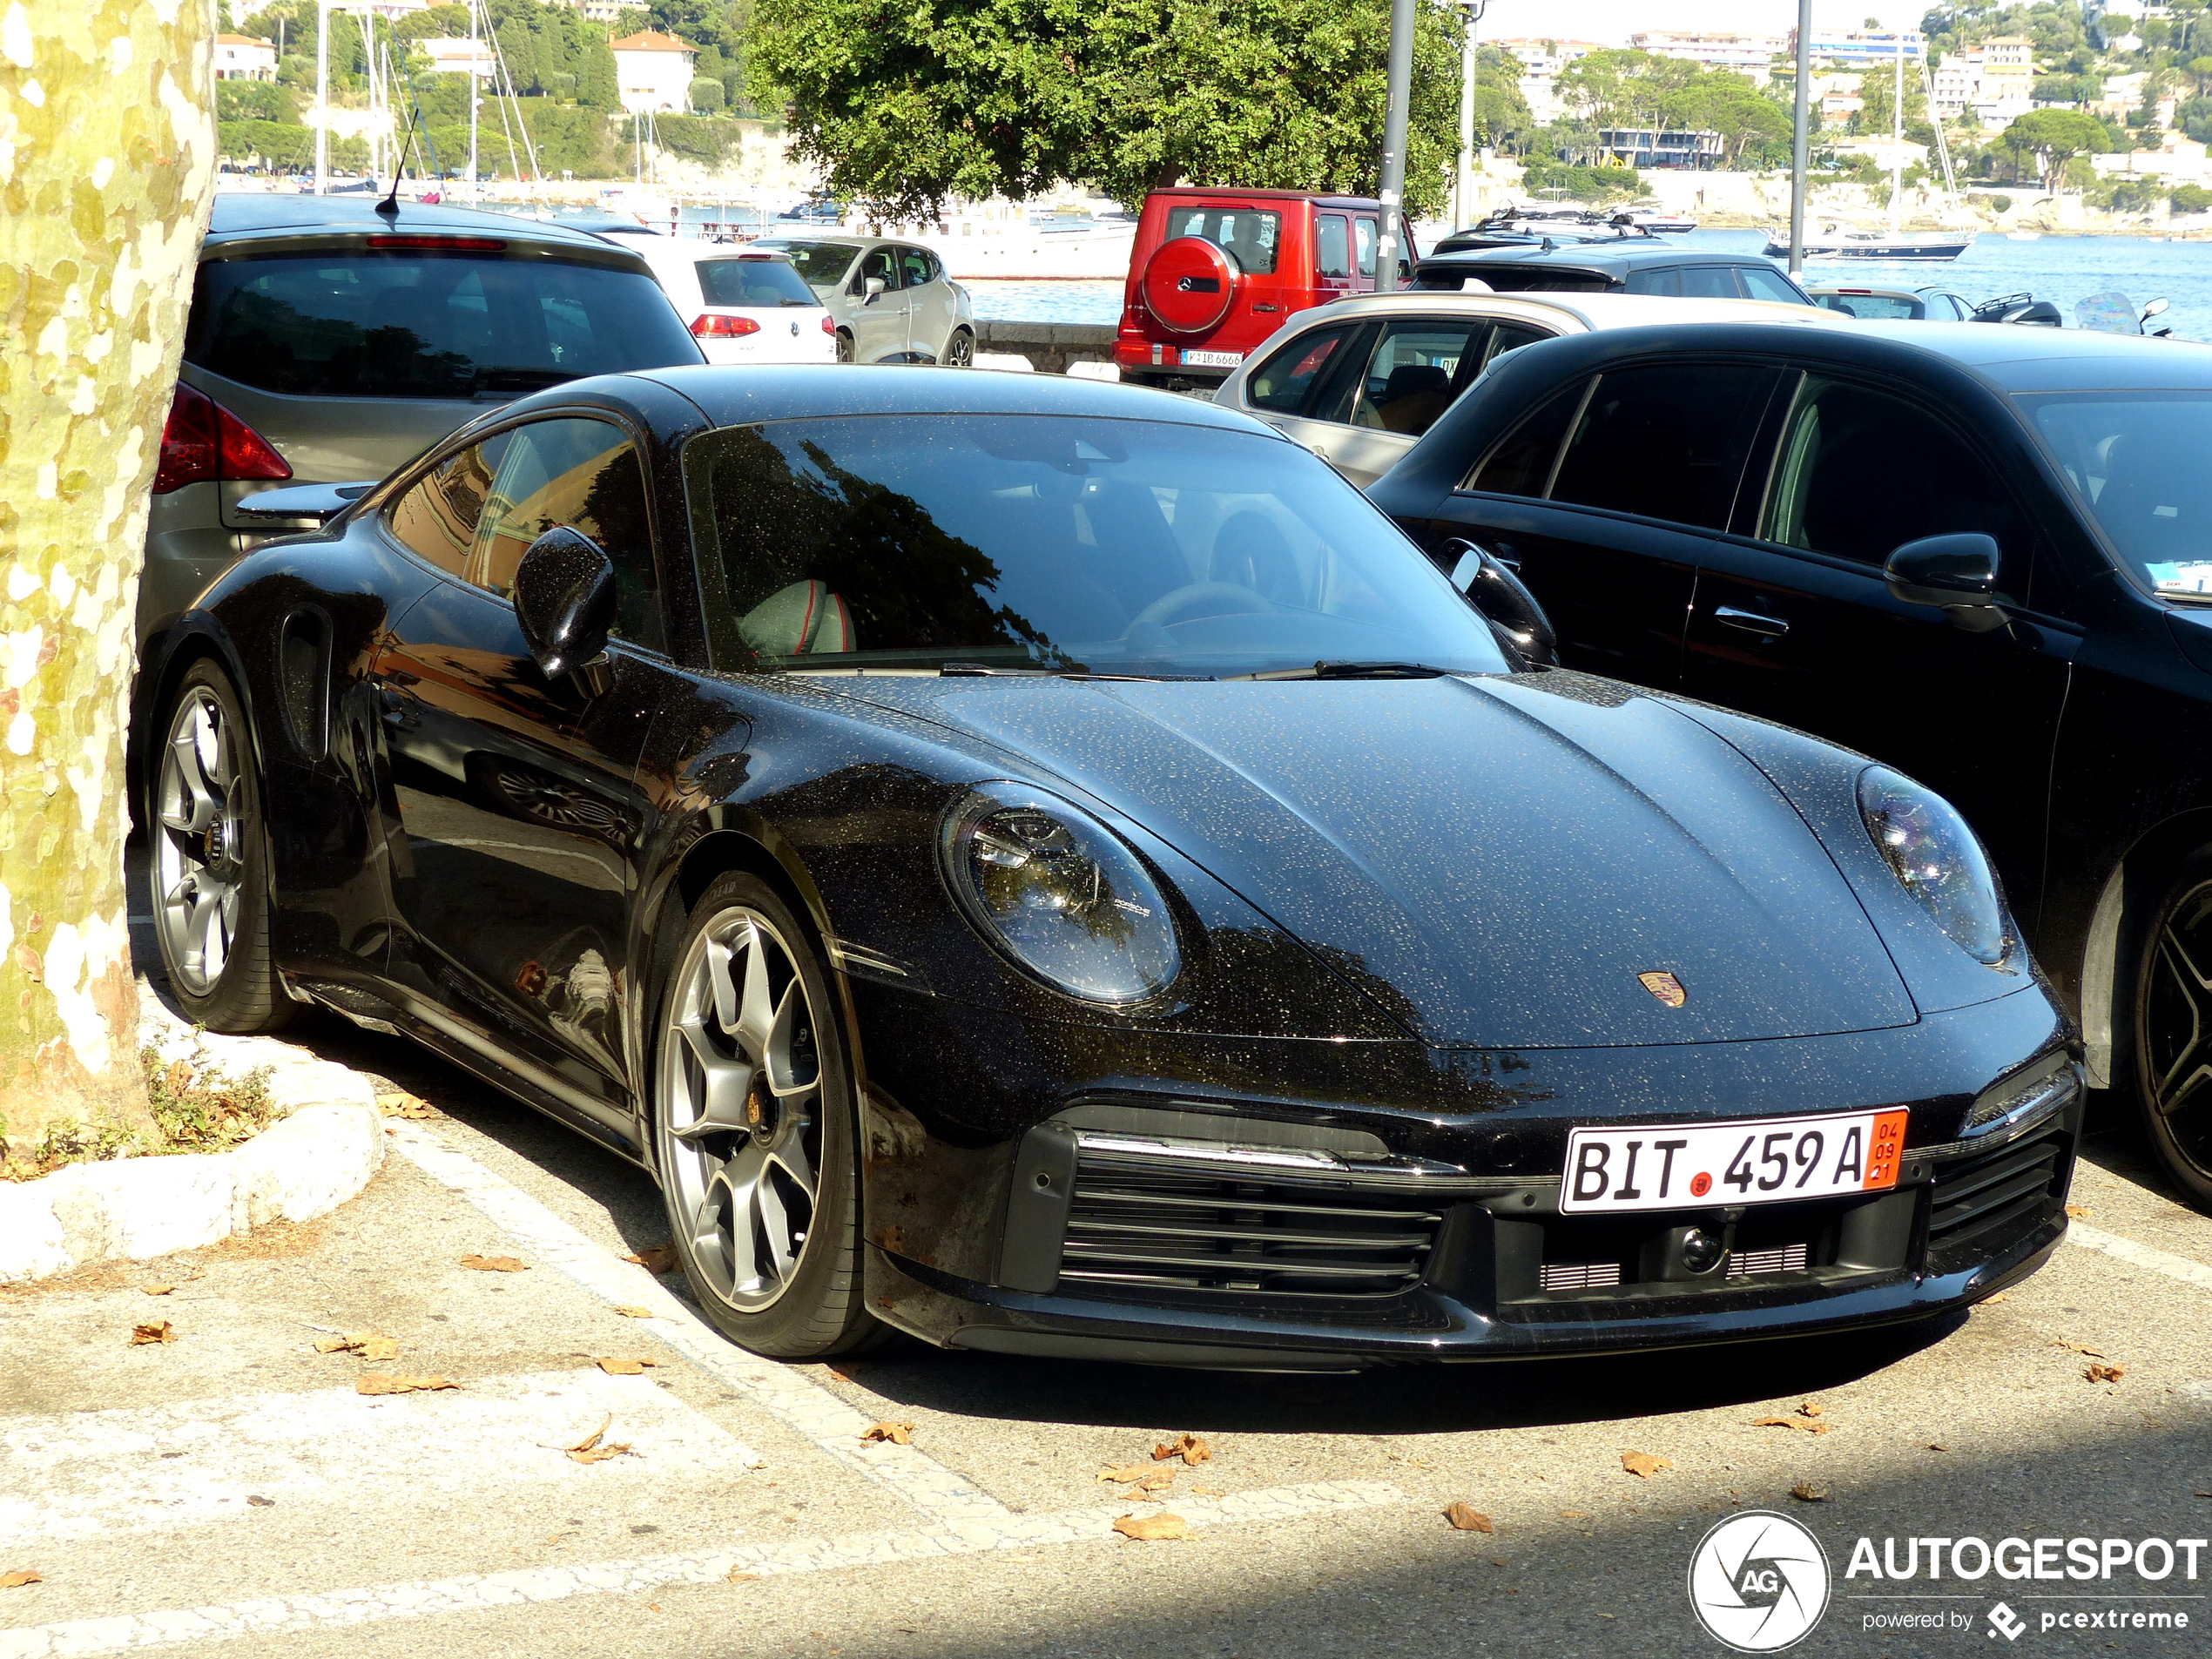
(903, 105)
(2055, 137)
(1638, 89)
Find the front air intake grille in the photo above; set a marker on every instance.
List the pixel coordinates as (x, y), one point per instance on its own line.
(1973, 1196)
(1174, 1230)
(1784, 1258)
(1578, 1275)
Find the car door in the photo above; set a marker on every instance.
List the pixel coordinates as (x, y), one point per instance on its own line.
(1297, 378)
(1413, 368)
(929, 301)
(1795, 622)
(1332, 254)
(1605, 497)
(879, 327)
(516, 822)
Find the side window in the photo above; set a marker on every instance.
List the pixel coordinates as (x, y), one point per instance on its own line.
(1667, 281)
(1284, 383)
(1411, 378)
(1667, 441)
(876, 262)
(1511, 336)
(913, 267)
(1521, 464)
(584, 474)
(1860, 473)
(1768, 285)
(1333, 244)
(1710, 282)
(1363, 236)
(436, 520)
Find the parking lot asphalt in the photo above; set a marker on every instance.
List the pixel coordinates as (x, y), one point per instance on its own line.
(230, 1491)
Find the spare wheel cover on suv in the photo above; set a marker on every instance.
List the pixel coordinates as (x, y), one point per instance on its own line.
(1189, 283)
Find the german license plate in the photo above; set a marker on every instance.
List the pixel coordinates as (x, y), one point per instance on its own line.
(1682, 1166)
(1213, 359)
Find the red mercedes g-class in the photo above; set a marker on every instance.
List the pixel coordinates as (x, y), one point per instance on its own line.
(1213, 273)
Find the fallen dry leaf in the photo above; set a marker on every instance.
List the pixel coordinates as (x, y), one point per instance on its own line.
(736, 1577)
(1811, 1408)
(142, 1334)
(1127, 1472)
(157, 1290)
(393, 1382)
(2105, 1373)
(592, 1439)
(2077, 1347)
(404, 1105)
(2080, 1211)
(628, 1313)
(1991, 1301)
(601, 1453)
(1149, 1527)
(1809, 1492)
(1192, 1450)
(369, 1345)
(1937, 1446)
(1573, 1514)
(1791, 1422)
(625, 1367)
(1206, 1492)
(1138, 1478)
(1642, 1465)
(494, 1264)
(20, 1577)
(654, 1258)
(897, 1433)
(1465, 1517)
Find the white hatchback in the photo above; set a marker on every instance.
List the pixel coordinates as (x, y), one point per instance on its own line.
(743, 305)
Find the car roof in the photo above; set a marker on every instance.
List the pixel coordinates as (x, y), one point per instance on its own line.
(741, 396)
(240, 215)
(1614, 258)
(1593, 311)
(1238, 193)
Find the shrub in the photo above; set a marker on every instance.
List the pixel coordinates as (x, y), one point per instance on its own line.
(707, 96)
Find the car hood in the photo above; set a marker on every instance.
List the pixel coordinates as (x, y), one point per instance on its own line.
(1496, 861)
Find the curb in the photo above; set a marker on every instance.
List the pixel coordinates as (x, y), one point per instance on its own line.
(320, 1154)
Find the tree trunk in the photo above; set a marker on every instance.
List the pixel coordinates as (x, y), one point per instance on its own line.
(107, 166)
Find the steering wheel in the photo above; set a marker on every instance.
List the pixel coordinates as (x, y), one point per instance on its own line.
(1227, 598)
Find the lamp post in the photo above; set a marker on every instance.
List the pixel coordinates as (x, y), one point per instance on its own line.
(1798, 144)
(1398, 95)
(1463, 193)
(322, 95)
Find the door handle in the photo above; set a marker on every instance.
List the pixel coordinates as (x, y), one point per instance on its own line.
(1750, 621)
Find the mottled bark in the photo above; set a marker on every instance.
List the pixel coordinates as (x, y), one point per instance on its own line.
(107, 156)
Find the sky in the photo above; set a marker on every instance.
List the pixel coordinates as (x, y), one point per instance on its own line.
(1614, 21)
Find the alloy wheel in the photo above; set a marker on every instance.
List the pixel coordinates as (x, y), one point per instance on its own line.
(2177, 1025)
(961, 353)
(741, 1093)
(845, 350)
(200, 851)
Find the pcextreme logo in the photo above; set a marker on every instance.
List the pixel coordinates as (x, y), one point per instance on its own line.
(1759, 1581)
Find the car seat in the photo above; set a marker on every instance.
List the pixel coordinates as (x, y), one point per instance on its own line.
(803, 619)
(1412, 397)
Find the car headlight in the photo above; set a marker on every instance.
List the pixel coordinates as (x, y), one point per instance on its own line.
(1060, 893)
(1937, 860)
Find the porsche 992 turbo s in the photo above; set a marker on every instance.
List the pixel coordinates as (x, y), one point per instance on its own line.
(1049, 868)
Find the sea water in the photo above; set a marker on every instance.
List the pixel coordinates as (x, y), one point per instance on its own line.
(2064, 269)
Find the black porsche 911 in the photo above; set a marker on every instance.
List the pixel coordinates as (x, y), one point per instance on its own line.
(1048, 867)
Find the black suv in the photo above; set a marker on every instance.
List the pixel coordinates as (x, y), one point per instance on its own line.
(1625, 265)
(1983, 555)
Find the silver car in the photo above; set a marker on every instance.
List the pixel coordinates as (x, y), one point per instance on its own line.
(892, 301)
(329, 342)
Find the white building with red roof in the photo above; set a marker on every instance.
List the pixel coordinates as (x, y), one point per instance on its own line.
(653, 73)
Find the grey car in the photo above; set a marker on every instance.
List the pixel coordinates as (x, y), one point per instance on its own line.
(330, 342)
(892, 301)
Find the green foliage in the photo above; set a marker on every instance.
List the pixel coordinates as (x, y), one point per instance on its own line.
(2191, 198)
(285, 146)
(1635, 88)
(255, 101)
(707, 96)
(2055, 137)
(704, 138)
(2059, 28)
(567, 137)
(2127, 195)
(2002, 204)
(905, 106)
(2068, 89)
(1544, 176)
(196, 1108)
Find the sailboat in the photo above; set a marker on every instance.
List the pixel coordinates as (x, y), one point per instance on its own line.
(1836, 241)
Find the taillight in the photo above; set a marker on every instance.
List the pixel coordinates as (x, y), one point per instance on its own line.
(203, 442)
(829, 325)
(707, 325)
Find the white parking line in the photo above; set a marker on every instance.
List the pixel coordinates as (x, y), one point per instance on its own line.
(2127, 1250)
(281, 1615)
(143, 1469)
(786, 1394)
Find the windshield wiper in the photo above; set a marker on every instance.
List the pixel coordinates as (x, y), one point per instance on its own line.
(1351, 671)
(983, 670)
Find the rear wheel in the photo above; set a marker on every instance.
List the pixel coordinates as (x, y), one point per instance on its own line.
(2172, 1026)
(753, 1126)
(845, 354)
(960, 350)
(211, 885)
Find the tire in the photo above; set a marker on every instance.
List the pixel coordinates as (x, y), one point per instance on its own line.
(2171, 1017)
(846, 351)
(777, 1267)
(210, 860)
(960, 350)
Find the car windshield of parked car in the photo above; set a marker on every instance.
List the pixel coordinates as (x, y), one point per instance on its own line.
(1873, 307)
(1055, 542)
(755, 281)
(425, 324)
(821, 266)
(2138, 459)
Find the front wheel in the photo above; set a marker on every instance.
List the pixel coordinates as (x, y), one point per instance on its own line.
(753, 1127)
(960, 350)
(2173, 1028)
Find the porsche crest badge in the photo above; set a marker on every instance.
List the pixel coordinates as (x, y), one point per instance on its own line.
(1665, 987)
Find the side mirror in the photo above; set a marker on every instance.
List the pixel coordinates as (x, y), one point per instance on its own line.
(1958, 573)
(1504, 598)
(564, 600)
(2153, 309)
(871, 290)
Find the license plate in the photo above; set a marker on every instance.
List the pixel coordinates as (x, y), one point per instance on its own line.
(1213, 359)
(1772, 1160)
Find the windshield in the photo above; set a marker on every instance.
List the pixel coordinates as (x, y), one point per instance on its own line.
(752, 281)
(2138, 458)
(820, 265)
(1058, 544)
(366, 324)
